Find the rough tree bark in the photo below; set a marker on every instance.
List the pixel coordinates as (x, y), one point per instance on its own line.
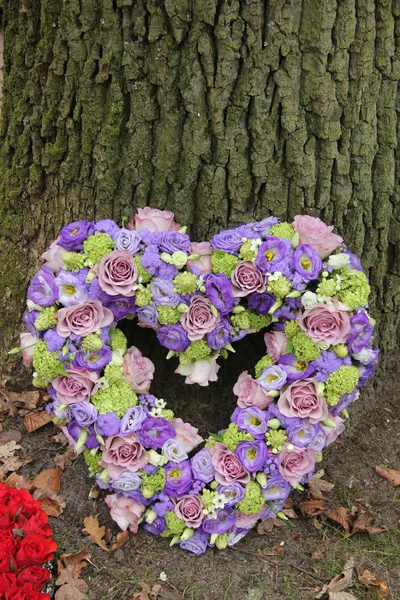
(221, 110)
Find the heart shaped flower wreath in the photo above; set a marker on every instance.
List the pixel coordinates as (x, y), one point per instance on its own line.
(297, 280)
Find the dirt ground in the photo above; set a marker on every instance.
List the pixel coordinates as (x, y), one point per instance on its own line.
(246, 572)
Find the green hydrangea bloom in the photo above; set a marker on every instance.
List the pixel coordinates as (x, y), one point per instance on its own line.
(253, 499)
(185, 283)
(45, 363)
(222, 262)
(40, 382)
(91, 343)
(246, 252)
(46, 319)
(263, 363)
(117, 398)
(207, 497)
(283, 231)
(291, 328)
(275, 438)
(168, 414)
(258, 321)
(233, 436)
(279, 287)
(143, 275)
(143, 297)
(198, 350)
(153, 483)
(73, 261)
(210, 442)
(114, 374)
(97, 246)
(340, 350)
(354, 289)
(242, 320)
(304, 348)
(342, 381)
(327, 287)
(118, 340)
(92, 461)
(168, 315)
(175, 525)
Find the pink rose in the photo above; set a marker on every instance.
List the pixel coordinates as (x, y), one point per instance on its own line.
(317, 234)
(84, 318)
(117, 273)
(153, 219)
(324, 323)
(301, 399)
(296, 463)
(201, 371)
(138, 370)
(186, 434)
(332, 433)
(126, 512)
(76, 386)
(276, 344)
(227, 465)
(200, 265)
(54, 257)
(190, 509)
(27, 341)
(246, 279)
(123, 453)
(199, 319)
(249, 392)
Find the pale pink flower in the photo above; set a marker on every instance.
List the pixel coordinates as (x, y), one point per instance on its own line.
(317, 234)
(138, 370)
(126, 512)
(186, 434)
(201, 371)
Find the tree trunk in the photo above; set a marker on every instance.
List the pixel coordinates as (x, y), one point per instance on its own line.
(223, 111)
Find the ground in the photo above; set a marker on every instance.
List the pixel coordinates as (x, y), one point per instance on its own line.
(256, 568)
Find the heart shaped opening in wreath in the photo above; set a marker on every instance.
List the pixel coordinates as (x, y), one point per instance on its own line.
(296, 281)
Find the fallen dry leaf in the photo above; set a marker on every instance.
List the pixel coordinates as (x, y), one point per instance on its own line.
(48, 481)
(340, 515)
(6, 404)
(369, 579)
(28, 400)
(341, 596)
(391, 475)
(97, 533)
(289, 512)
(146, 593)
(18, 482)
(36, 420)
(312, 508)
(364, 520)
(10, 435)
(69, 569)
(317, 485)
(53, 507)
(10, 464)
(64, 460)
(267, 525)
(59, 438)
(8, 449)
(340, 582)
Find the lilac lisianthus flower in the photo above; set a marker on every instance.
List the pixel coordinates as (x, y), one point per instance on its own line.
(173, 337)
(108, 424)
(252, 420)
(202, 466)
(132, 420)
(120, 306)
(220, 336)
(84, 413)
(147, 316)
(252, 455)
(163, 293)
(361, 332)
(294, 368)
(355, 262)
(107, 226)
(179, 478)
(155, 527)
(301, 432)
(172, 241)
(319, 442)
(129, 240)
(343, 403)
(173, 451)
(224, 521)
(236, 534)
(307, 262)
(30, 317)
(73, 235)
(127, 482)
(277, 488)
(261, 303)
(272, 378)
(229, 241)
(234, 492)
(271, 252)
(219, 291)
(263, 227)
(71, 289)
(42, 289)
(197, 543)
(154, 432)
(93, 361)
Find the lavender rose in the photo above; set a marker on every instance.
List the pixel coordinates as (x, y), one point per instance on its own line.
(301, 399)
(173, 241)
(317, 234)
(118, 273)
(84, 413)
(296, 463)
(227, 465)
(128, 240)
(225, 520)
(199, 319)
(132, 420)
(190, 509)
(84, 318)
(229, 240)
(123, 454)
(325, 323)
(202, 466)
(76, 386)
(246, 280)
(197, 544)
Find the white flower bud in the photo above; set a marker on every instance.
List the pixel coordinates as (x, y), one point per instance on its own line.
(338, 261)
(308, 300)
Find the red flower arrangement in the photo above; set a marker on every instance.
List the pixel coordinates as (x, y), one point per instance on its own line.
(26, 543)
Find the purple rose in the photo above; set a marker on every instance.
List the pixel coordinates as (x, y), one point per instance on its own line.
(229, 240)
(173, 337)
(179, 478)
(277, 488)
(197, 543)
(173, 451)
(252, 455)
(128, 240)
(132, 420)
(219, 337)
(73, 235)
(307, 262)
(219, 291)
(147, 316)
(71, 289)
(246, 279)
(199, 319)
(172, 241)
(234, 492)
(43, 289)
(202, 466)
(271, 252)
(155, 431)
(84, 413)
(189, 508)
(118, 273)
(225, 520)
(163, 293)
(108, 424)
(261, 302)
(127, 482)
(361, 332)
